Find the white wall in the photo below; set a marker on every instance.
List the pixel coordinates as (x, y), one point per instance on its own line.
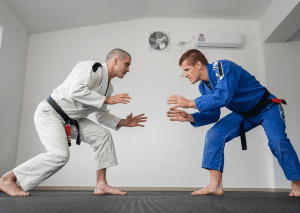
(164, 153)
(13, 54)
(281, 66)
(282, 72)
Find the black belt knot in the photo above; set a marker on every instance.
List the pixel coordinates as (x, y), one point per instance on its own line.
(255, 111)
(66, 118)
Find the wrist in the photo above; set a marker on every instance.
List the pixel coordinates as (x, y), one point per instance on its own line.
(122, 122)
(126, 122)
(191, 118)
(107, 100)
(192, 104)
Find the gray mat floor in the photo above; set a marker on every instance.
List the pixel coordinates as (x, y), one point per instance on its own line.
(149, 201)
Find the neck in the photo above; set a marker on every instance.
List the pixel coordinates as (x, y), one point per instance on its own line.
(110, 71)
(206, 79)
(205, 74)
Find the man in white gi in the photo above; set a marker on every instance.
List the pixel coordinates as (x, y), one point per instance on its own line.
(86, 90)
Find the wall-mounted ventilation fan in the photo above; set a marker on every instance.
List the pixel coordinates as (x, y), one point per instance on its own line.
(158, 41)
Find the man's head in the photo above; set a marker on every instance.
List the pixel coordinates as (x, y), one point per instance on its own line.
(194, 65)
(118, 62)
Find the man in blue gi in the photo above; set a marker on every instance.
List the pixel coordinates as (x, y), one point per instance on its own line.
(226, 84)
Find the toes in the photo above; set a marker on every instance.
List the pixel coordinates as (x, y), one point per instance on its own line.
(196, 193)
(120, 193)
(295, 194)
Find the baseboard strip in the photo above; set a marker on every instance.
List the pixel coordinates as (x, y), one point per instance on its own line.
(157, 188)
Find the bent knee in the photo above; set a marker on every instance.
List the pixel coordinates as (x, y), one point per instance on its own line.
(210, 135)
(103, 135)
(279, 142)
(62, 157)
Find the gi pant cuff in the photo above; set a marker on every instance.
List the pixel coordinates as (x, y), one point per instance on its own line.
(106, 165)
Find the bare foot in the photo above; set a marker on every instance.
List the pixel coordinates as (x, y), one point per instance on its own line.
(211, 189)
(104, 189)
(296, 188)
(9, 186)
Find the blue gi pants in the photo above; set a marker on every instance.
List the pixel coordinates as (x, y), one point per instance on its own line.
(271, 117)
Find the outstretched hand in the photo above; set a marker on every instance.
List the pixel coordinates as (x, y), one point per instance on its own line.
(179, 101)
(120, 98)
(179, 115)
(135, 120)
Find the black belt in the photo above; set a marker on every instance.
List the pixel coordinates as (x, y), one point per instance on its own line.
(66, 118)
(263, 102)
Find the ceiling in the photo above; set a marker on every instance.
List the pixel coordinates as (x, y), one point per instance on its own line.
(40, 16)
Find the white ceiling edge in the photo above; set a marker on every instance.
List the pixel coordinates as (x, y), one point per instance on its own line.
(287, 28)
(53, 15)
(280, 21)
(295, 37)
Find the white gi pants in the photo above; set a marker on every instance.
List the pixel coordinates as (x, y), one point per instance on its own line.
(50, 127)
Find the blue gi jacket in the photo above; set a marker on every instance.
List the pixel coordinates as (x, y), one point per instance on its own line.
(233, 87)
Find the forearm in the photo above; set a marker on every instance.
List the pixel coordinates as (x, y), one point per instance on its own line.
(205, 118)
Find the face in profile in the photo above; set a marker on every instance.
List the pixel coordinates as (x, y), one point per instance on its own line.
(123, 66)
(191, 72)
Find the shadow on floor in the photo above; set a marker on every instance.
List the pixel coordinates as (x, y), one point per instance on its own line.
(150, 201)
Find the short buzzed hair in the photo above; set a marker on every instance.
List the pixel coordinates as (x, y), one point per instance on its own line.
(118, 52)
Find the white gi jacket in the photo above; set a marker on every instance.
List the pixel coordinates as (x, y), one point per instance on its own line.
(84, 92)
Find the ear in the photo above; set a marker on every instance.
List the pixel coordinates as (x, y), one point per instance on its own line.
(116, 60)
(198, 65)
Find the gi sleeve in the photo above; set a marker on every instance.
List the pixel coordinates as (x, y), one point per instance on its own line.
(81, 85)
(104, 117)
(205, 118)
(208, 117)
(227, 74)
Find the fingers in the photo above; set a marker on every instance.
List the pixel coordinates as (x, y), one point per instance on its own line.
(171, 114)
(177, 110)
(172, 101)
(139, 116)
(174, 111)
(129, 116)
(125, 95)
(142, 121)
(122, 98)
(124, 101)
(172, 98)
(174, 107)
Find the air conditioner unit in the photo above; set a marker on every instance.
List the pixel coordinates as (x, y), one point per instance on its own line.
(218, 40)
